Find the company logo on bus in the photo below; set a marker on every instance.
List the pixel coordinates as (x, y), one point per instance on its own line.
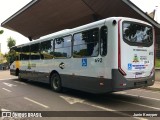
(135, 59)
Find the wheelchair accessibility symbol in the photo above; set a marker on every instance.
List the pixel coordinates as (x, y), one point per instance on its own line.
(129, 66)
(84, 62)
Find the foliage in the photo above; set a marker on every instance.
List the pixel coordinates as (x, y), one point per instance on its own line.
(1, 31)
(158, 63)
(2, 58)
(11, 42)
(7, 57)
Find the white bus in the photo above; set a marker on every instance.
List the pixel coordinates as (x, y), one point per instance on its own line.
(109, 55)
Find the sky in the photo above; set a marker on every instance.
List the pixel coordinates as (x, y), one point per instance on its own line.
(9, 7)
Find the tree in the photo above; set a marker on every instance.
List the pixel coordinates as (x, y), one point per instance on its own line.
(7, 57)
(1, 31)
(11, 42)
(2, 58)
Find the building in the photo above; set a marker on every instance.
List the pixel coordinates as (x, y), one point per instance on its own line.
(158, 47)
(155, 15)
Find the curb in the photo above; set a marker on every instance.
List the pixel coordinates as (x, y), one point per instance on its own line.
(152, 88)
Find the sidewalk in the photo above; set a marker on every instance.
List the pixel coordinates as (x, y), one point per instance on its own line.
(157, 74)
(5, 74)
(155, 87)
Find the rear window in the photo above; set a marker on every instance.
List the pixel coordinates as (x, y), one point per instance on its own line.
(136, 34)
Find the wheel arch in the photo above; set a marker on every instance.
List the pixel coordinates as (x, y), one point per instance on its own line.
(53, 71)
(17, 71)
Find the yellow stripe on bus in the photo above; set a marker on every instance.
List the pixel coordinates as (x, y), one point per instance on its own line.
(17, 64)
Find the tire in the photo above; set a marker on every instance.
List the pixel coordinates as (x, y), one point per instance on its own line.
(19, 77)
(17, 72)
(56, 82)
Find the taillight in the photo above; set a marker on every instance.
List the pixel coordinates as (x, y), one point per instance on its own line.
(152, 72)
(119, 51)
(122, 72)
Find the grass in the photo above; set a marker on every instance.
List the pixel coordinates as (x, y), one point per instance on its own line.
(158, 63)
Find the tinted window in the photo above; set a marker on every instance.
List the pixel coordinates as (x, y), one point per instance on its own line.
(63, 47)
(86, 43)
(47, 50)
(25, 53)
(137, 34)
(104, 35)
(14, 54)
(35, 52)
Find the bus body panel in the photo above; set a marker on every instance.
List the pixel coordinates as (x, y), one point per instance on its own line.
(135, 67)
(98, 74)
(136, 61)
(121, 83)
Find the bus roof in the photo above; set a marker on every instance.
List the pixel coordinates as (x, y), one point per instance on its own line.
(69, 14)
(63, 32)
(77, 29)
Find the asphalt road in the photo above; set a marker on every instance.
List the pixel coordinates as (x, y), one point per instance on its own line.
(30, 96)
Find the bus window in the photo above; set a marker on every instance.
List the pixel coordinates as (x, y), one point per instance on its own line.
(136, 34)
(63, 47)
(86, 43)
(104, 35)
(47, 50)
(25, 53)
(14, 54)
(35, 51)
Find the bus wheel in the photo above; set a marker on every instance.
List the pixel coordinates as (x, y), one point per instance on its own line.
(19, 76)
(56, 82)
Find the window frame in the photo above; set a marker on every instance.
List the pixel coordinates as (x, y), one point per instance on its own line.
(19, 58)
(63, 47)
(106, 41)
(41, 49)
(15, 58)
(39, 44)
(136, 43)
(22, 52)
(87, 43)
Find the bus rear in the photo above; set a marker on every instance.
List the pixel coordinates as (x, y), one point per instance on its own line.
(136, 55)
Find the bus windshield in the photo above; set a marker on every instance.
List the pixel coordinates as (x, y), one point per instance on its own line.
(137, 34)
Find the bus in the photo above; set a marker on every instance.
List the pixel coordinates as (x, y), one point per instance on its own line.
(109, 55)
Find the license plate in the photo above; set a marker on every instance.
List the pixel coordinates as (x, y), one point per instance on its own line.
(139, 74)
